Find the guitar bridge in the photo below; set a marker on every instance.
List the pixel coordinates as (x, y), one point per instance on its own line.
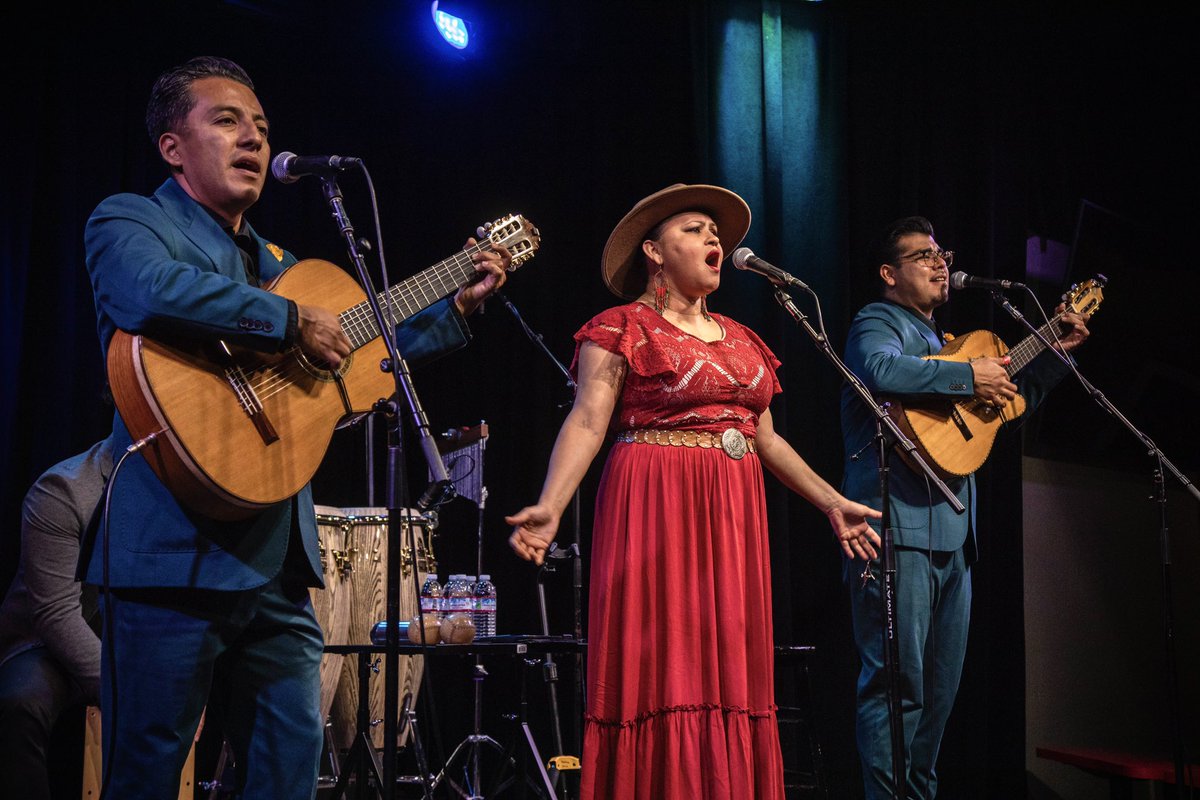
(961, 423)
(247, 398)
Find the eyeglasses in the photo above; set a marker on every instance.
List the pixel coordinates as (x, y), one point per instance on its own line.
(928, 258)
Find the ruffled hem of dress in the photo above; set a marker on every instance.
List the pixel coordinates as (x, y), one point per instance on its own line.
(703, 752)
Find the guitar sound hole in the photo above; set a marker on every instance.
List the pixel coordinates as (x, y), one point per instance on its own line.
(319, 368)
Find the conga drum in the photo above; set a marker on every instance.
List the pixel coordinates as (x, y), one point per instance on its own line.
(368, 557)
(332, 604)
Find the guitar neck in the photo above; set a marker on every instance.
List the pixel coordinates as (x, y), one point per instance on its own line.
(412, 295)
(1031, 346)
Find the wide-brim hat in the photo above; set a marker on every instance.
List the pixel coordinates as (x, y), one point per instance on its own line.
(623, 251)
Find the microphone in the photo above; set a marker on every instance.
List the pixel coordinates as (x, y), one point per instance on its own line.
(961, 280)
(289, 167)
(744, 258)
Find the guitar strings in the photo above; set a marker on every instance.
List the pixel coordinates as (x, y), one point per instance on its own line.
(358, 322)
(359, 325)
(1029, 347)
(363, 321)
(1021, 354)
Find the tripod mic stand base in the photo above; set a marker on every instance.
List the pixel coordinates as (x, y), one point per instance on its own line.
(468, 749)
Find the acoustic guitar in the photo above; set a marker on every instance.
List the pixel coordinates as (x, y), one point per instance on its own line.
(237, 431)
(955, 437)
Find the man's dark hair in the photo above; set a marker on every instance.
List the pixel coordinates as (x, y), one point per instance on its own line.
(884, 250)
(171, 98)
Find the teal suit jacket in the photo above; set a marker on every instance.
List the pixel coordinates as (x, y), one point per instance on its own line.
(163, 266)
(885, 348)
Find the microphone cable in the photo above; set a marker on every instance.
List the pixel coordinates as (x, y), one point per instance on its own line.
(109, 725)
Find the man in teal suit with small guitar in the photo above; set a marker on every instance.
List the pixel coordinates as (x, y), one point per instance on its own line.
(888, 348)
(201, 611)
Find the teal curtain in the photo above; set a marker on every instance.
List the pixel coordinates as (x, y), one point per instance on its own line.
(774, 90)
(771, 82)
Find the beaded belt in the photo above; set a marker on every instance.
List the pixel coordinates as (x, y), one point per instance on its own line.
(732, 441)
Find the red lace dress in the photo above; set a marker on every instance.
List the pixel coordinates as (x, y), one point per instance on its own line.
(680, 678)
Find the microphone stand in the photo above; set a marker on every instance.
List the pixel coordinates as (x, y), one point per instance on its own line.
(888, 436)
(574, 550)
(1160, 497)
(439, 491)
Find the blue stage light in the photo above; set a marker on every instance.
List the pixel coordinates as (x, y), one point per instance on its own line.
(452, 29)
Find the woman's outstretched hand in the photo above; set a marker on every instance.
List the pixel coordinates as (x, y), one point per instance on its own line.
(534, 528)
(857, 538)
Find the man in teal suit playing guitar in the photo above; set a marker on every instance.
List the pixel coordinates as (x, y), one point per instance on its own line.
(887, 348)
(200, 611)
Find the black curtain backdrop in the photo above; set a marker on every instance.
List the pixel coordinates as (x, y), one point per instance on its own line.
(998, 123)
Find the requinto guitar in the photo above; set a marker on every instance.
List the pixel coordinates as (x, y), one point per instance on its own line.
(237, 431)
(955, 437)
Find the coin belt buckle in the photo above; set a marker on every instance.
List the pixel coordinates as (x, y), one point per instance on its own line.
(733, 442)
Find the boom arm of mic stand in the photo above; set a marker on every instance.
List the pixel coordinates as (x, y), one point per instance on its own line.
(573, 552)
(1164, 545)
(1098, 396)
(403, 381)
(881, 415)
(441, 488)
(893, 437)
(536, 338)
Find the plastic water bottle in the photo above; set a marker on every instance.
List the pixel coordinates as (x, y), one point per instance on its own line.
(432, 595)
(458, 596)
(485, 607)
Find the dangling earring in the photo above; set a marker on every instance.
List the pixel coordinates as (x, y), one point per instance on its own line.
(704, 309)
(661, 292)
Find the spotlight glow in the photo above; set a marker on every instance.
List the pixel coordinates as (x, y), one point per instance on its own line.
(453, 29)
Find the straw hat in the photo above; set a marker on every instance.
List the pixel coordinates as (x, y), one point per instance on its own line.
(623, 253)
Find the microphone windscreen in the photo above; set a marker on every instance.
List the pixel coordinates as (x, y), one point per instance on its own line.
(279, 167)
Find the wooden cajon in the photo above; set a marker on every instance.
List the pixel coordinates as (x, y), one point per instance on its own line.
(93, 762)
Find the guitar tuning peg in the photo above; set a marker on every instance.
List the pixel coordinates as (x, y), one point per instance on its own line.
(481, 232)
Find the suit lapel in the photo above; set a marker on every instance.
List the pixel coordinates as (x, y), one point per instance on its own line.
(270, 256)
(204, 232)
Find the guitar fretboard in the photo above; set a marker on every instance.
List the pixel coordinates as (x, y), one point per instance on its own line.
(411, 295)
(1031, 346)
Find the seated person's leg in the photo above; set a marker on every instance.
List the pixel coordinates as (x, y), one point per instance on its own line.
(34, 692)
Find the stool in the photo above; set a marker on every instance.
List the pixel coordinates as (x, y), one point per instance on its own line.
(803, 770)
(93, 761)
(1121, 769)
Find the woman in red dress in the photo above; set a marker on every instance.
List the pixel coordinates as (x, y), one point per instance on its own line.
(680, 674)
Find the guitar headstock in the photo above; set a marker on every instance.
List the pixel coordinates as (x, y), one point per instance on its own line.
(1083, 299)
(517, 234)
